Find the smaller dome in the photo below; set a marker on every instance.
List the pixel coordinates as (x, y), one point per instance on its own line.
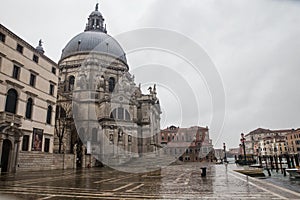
(39, 49)
(96, 13)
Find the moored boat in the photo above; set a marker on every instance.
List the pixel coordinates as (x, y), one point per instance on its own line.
(294, 172)
(254, 172)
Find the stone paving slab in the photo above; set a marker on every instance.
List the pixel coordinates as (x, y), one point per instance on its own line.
(172, 182)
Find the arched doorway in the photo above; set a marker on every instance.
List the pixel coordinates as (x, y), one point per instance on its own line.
(6, 150)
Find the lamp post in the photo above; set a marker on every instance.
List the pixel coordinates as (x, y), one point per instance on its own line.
(224, 148)
(243, 144)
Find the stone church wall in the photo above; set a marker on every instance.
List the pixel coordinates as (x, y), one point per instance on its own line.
(33, 161)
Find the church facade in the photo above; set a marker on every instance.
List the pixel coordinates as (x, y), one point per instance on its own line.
(101, 113)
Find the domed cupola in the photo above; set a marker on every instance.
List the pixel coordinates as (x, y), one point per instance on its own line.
(96, 21)
(94, 39)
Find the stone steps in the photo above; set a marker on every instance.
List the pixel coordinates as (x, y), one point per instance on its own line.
(148, 163)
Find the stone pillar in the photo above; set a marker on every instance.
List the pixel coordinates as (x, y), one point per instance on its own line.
(14, 156)
(1, 145)
(17, 146)
(75, 156)
(90, 164)
(83, 156)
(74, 161)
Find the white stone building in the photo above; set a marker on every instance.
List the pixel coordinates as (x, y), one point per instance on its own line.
(258, 142)
(28, 89)
(100, 102)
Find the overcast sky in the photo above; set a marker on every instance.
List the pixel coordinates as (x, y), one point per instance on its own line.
(253, 44)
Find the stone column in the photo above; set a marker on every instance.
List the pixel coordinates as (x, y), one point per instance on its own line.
(75, 156)
(13, 157)
(1, 145)
(17, 147)
(83, 156)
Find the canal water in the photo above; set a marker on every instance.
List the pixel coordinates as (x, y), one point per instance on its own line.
(277, 178)
(283, 181)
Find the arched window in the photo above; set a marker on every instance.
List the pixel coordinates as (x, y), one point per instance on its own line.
(111, 84)
(49, 114)
(120, 113)
(127, 115)
(11, 101)
(113, 114)
(71, 82)
(29, 108)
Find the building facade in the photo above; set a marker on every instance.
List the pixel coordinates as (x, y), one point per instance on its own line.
(28, 89)
(219, 154)
(272, 145)
(187, 144)
(101, 110)
(293, 142)
(264, 141)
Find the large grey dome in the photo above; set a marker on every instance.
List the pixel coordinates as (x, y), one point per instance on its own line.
(94, 41)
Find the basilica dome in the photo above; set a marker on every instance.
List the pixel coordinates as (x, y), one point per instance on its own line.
(94, 40)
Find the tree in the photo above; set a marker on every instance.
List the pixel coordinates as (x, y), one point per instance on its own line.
(62, 122)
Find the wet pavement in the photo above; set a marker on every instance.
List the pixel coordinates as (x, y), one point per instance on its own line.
(172, 182)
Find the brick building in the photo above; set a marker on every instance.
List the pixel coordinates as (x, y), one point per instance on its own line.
(293, 141)
(266, 141)
(187, 144)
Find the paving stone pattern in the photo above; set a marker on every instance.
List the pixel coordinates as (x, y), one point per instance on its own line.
(172, 182)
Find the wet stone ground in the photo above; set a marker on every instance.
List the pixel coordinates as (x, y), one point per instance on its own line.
(172, 182)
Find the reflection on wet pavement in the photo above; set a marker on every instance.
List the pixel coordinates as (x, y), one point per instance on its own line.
(172, 182)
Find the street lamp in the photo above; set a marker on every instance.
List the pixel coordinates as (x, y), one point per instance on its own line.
(243, 144)
(224, 147)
